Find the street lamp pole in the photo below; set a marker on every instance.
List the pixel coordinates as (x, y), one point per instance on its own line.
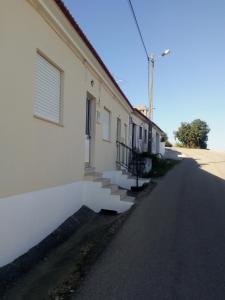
(151, 66)
(151, 62)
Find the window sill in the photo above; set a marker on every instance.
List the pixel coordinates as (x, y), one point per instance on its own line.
(48, 121)
(106, 140)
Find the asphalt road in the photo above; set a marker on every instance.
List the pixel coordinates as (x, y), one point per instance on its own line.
(173, 245)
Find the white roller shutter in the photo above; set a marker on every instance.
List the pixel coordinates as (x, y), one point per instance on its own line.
(47, 90)
(106, 124)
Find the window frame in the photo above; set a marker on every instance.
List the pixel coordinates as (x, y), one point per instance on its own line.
(109, 125)
(118, 130)
(140, 132)
(125, 134)
(61, 89)
(145, 136)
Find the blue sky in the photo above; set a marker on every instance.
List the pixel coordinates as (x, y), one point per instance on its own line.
(190, 83)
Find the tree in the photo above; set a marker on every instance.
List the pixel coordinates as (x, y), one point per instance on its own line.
(194, 134)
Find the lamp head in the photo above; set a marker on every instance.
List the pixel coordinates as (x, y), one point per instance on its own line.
(166, 52)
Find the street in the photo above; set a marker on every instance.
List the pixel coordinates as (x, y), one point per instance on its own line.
(173, 244)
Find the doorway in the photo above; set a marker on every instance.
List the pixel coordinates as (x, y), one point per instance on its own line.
(89, 131)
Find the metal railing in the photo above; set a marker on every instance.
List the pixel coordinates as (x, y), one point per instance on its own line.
(129, 160)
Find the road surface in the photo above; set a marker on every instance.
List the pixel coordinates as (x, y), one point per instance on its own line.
(173, 244)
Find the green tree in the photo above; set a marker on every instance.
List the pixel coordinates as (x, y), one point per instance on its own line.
(193, 135)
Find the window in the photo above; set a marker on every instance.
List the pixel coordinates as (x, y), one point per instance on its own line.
(146, 135)
(134, 136)
(47, 103)
(125, 134)
(106, 124)
(118, 130)
(140, 133)
(88, 117)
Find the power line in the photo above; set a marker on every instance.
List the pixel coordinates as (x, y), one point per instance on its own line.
(138, 28)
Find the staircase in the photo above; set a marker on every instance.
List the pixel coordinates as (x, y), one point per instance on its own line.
(130, 166)
(124, 179)
(101, 193)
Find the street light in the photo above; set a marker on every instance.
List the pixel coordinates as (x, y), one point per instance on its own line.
(166, 52)
(151, 65)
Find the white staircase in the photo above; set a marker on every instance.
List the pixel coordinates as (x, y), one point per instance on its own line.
(100, 193)
(124, 179)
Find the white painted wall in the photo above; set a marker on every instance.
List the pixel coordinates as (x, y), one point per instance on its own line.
(27, 219)
(153, 140)
(157, 146)
(162, 148)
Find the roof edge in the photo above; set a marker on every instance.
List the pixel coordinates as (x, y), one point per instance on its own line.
(79, 31)
(77, 28)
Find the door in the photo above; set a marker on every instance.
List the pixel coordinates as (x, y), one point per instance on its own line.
(88, 132)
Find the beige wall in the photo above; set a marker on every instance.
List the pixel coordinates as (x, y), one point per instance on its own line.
(36, 154)
(105, 151)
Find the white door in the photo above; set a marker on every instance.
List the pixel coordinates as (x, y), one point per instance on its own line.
(88, 132)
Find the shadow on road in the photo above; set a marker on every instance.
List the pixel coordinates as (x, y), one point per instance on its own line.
(173, 245)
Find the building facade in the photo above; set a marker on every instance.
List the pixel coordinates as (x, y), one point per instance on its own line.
(62, 114)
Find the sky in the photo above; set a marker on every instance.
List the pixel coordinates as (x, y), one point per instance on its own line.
(190, 83)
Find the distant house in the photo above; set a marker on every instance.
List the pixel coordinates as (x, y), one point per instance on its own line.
(143, 109)
(140, 131)
(157, 146)
(63, 117)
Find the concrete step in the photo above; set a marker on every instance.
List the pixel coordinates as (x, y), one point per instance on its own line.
(112, 187)
(90, 170)
(92, 175)
(139, 178)
(121, 193)
(124, 172)
(104, 181)
(129, 199)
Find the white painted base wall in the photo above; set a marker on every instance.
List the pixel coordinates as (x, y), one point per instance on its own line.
(162, 148)
(27, 219)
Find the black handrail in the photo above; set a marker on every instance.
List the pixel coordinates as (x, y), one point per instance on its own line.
(130, 160)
